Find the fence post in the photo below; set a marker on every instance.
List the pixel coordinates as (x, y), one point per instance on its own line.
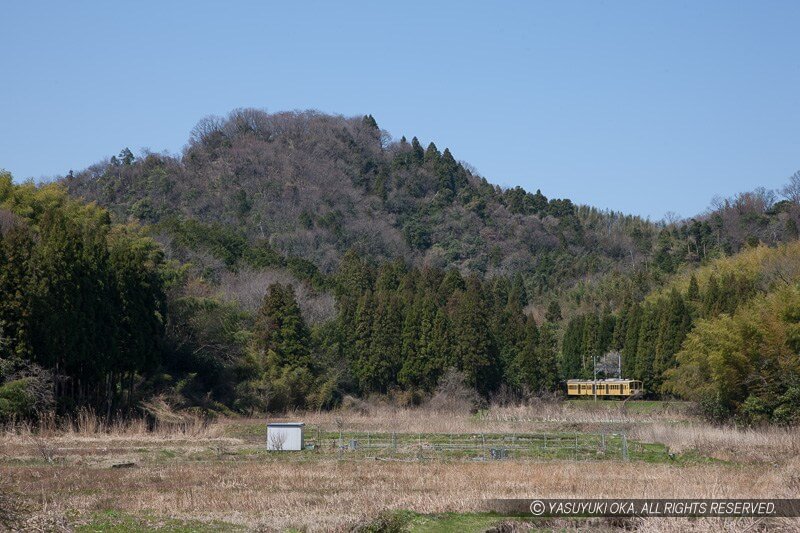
(394, 442)
(545, 442)
(576, 446)
(483, 445)
(368, 440)
(624, 447)
(603, 442)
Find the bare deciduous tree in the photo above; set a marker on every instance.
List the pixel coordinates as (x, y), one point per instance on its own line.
(608, 364)
(791, 191)
(205, 129)
(247, 287)
(453, 394)
(671, 218)
(7, 221)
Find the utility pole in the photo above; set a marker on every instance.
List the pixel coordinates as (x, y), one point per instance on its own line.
(594, 383)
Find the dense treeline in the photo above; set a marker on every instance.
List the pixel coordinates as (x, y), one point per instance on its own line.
(746, 363)
(402, 327)
(93, 315)
(398, 330)
(82, 301)
(647, 334)
(729, 227)
(668, 342)
(288, 260)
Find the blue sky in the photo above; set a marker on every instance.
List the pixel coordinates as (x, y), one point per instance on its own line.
(644, 107)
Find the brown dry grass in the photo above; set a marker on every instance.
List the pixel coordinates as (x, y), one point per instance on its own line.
(726, 443)
(195, 472)
(332, 494)
(531, 417)
(87, 423)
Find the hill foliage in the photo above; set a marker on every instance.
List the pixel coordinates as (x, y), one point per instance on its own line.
(314, 186)
(288, 260)
(720, 334)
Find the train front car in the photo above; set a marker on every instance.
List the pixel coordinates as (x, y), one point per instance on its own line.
(610, 388)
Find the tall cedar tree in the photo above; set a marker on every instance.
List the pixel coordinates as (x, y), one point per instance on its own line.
(572, 348)
(385, 352)
(281, 329)
(472, 344)
(525, 370)
(633, 320)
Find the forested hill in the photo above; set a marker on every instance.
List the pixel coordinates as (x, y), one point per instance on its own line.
(289, 260)
(314, 186)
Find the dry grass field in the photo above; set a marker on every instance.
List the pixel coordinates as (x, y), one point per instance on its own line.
(217, 476)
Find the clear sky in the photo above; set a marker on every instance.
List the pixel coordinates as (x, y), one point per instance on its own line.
(644, 107)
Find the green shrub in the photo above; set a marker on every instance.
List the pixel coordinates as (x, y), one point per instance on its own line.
(385, 522)
(16, 399)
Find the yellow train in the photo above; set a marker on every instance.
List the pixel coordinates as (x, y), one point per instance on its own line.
(604, 387)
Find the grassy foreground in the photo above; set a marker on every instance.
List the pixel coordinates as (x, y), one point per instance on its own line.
(218, 477)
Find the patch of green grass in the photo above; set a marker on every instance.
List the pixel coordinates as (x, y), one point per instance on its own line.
(120, 522)
(167, 453)
(479, 447)
(632, 406)
(360, 445)
(28, 461)
(452, 522)
(481, 522)
(519, 446)
(463, 522)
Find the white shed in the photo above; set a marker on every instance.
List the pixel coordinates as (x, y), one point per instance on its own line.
(283, 436)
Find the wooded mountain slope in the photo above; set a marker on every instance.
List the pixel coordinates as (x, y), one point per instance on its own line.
(313, 186)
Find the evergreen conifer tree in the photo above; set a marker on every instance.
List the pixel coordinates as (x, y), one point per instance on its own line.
(362, 342)
(572, 349)
(385, 354)
(630, 347)
(451, 283)
(370, 122)
(553, 312)
(591, 343)
(646, 347)
(280, 328)
(693, 293)
(472, 344)
(548, 360)
(527, 371)
(417, 152)
(712, 298)
(432, 155)
(519, 294)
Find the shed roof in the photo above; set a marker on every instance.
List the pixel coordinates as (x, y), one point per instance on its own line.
(286, 424)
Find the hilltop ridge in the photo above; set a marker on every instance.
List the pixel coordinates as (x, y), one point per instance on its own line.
(315, 185)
